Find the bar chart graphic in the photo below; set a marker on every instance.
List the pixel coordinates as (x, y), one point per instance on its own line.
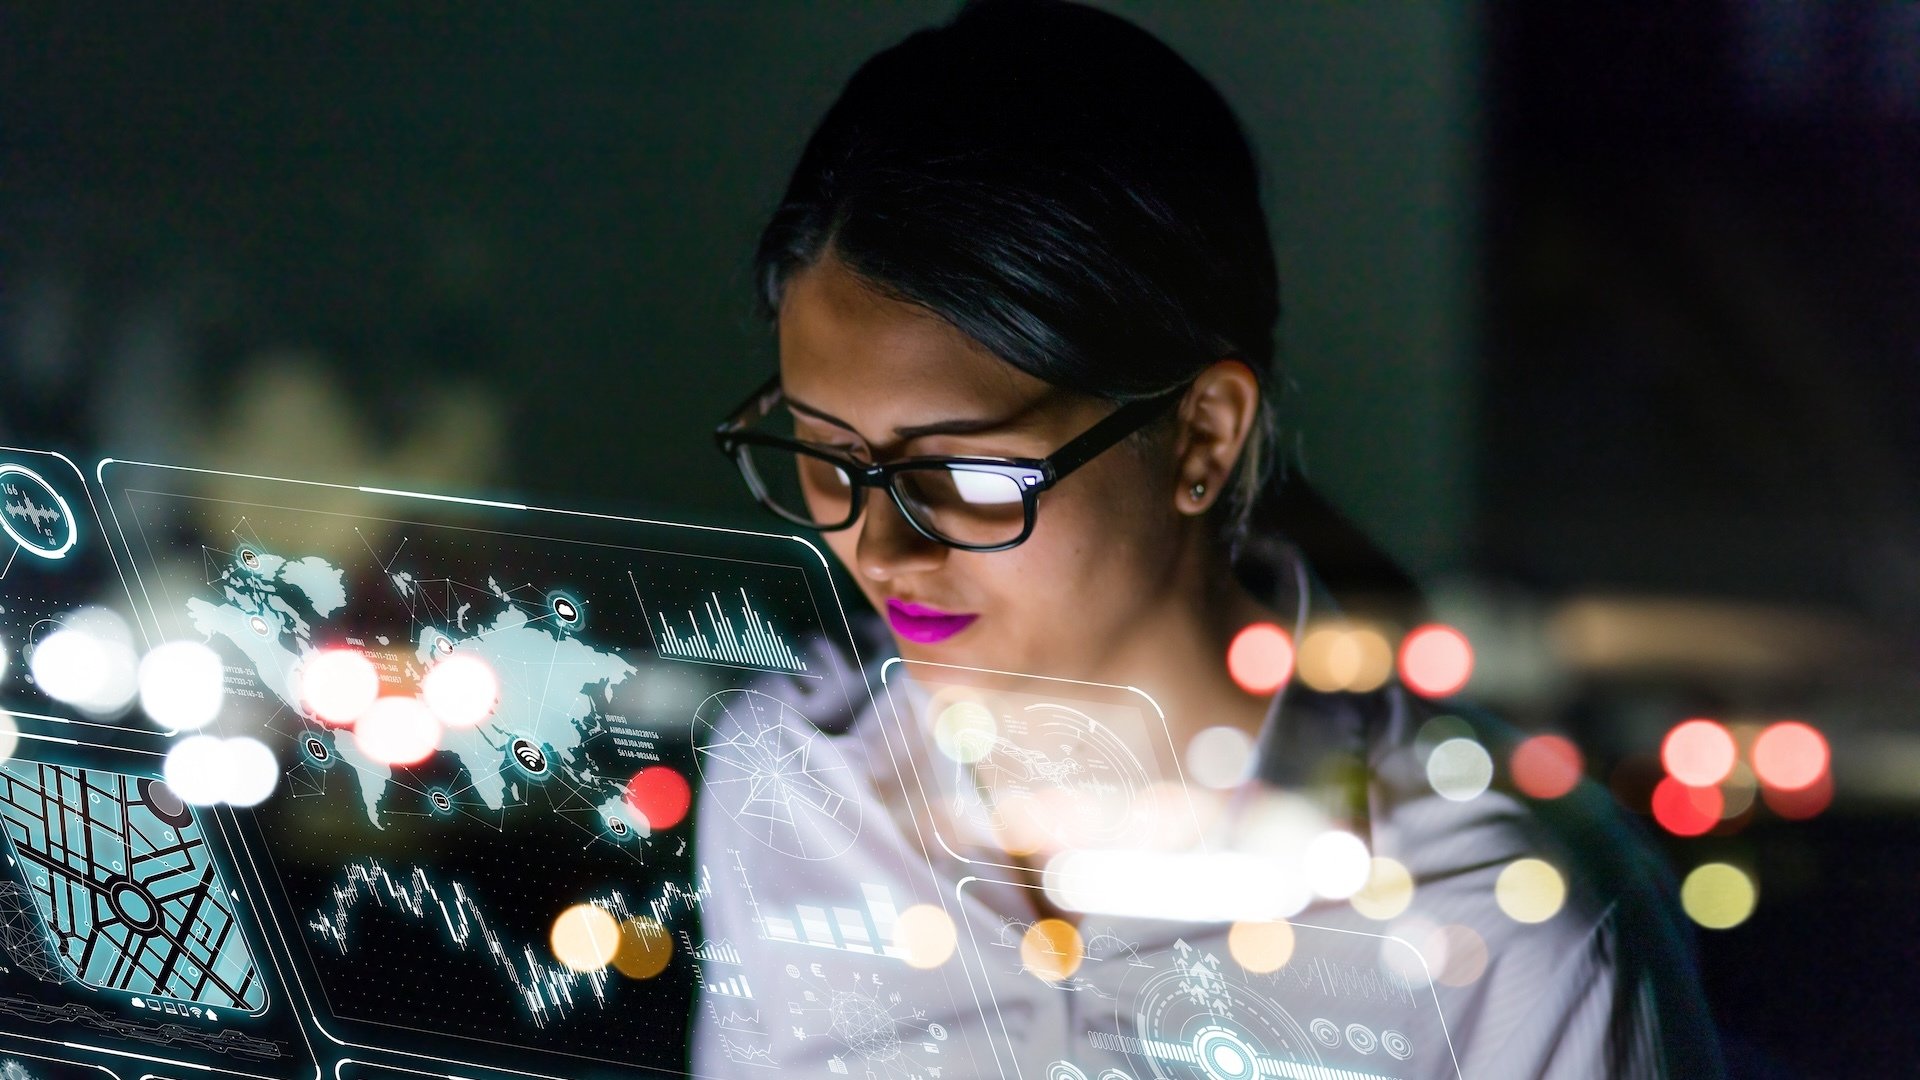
(735, 987)
(715, 634)
(866, 929)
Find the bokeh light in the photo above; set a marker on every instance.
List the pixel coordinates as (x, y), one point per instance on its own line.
(645, 947)
(1718, 896)
(182, 684)
(1260, 658)
(461, 690)
(1220, 757)
(926, 934)
(1051, 949)
(1546, 766)
(660, 795)
(1459, 769)
(1387, 893)
(1021, 829)
(1684, 810)
(252, 772)
(1457, 954)
(96, 672)
(1738, 792)
(338, 685)
(585, 937)
(1530, 890)
(1790, 756)
(1698, 753)
(1404, 949)
(1328, 660)
(1435, 660)
(196, 770)
(1802, 803)
(1375, 665)
(397, 731)
(1261, 947)
(1336, 864)
(965, 730)
(1439, 730)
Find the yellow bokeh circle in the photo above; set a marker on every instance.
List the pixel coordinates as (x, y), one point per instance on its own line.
(1051, 949)
(1530, 891)
(585, 937)
(1261, 947)
(926, 934)
(1718, 896)
(1387, 893)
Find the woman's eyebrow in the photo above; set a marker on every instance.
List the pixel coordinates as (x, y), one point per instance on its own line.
(915, 431)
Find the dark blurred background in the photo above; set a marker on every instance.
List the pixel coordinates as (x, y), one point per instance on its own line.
(1604, 319)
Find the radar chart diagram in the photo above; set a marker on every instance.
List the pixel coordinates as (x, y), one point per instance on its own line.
(1090, 782)
(1195, 1021)
(119, 871)
(767, 766)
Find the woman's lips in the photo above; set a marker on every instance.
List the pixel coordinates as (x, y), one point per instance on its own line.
(917, 622)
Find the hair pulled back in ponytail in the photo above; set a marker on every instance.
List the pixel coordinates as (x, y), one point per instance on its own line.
(1064, 189)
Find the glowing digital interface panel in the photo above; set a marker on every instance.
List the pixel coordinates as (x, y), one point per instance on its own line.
(125, 936)
(1132, 998)
(56, 567)
(1006, 762)
(498, 730)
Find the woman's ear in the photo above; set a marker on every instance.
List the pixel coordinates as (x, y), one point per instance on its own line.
(1216, 417)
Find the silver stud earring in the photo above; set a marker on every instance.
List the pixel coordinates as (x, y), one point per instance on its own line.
(1198, 491)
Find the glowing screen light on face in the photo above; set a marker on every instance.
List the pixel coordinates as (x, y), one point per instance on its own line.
(978, 487)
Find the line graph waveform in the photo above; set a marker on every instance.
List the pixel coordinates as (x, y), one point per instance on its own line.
(37, 516)
(548, 990)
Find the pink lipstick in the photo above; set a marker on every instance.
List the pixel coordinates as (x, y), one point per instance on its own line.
(919, 623)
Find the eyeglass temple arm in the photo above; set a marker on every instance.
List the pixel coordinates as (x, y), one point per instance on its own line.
(756, 405)
(1124, 421)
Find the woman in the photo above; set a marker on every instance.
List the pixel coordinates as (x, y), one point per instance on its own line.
(1035, 233)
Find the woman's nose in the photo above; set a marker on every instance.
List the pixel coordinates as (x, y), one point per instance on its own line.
(889, 545)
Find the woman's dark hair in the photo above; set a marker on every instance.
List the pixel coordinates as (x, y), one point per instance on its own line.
(1064, 189)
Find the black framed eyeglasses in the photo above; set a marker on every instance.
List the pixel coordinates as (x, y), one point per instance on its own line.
(970, 503)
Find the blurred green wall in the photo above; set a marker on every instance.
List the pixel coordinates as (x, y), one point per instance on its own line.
(561, 201)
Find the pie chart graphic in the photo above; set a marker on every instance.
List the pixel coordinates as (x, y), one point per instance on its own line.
(774, 773)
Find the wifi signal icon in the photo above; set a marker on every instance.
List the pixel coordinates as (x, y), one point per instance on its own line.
(529, 756)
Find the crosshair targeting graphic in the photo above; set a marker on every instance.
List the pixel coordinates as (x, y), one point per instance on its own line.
(765, 765)
(1197, 1022)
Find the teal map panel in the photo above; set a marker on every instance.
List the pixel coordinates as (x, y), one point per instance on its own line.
(122, 878)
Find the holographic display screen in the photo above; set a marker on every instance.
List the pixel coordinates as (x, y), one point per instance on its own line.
(430, 906)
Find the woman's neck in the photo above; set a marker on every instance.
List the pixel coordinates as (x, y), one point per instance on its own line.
(1177, 652)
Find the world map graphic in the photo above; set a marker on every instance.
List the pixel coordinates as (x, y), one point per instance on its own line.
(553, 686)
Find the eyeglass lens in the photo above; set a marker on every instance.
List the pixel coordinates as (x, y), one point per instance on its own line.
(974, 506)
